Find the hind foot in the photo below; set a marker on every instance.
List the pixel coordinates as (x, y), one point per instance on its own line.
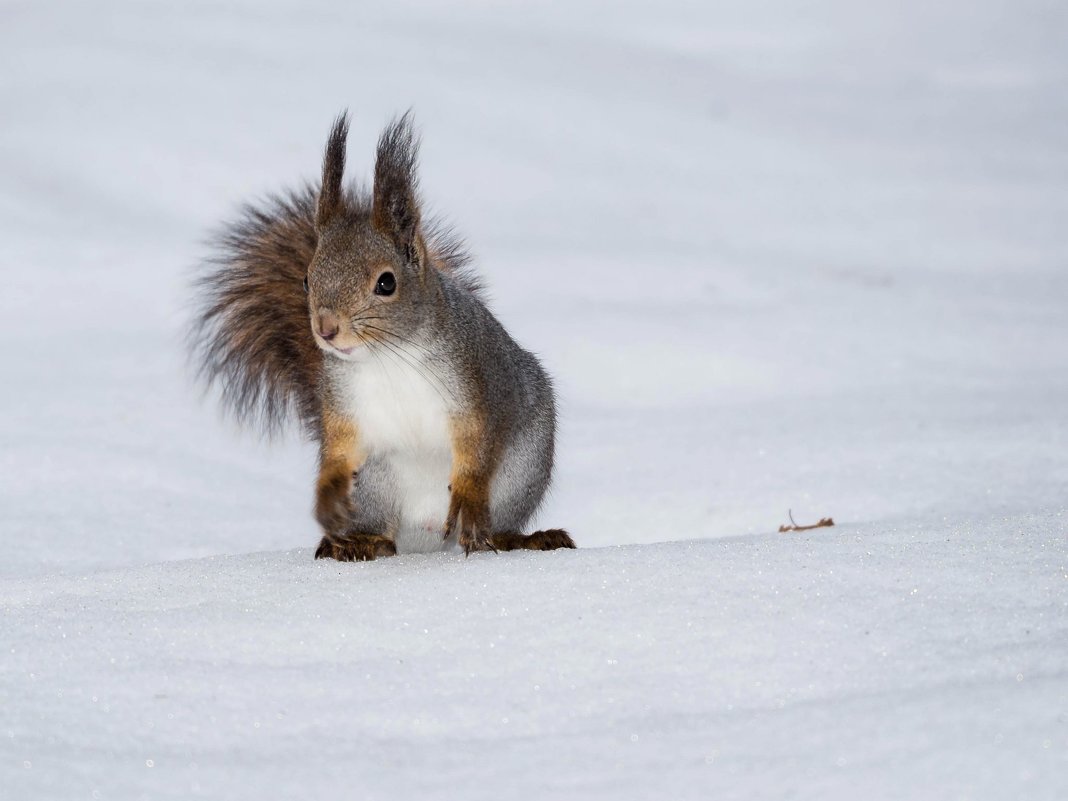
(548, 540)
(354, 547)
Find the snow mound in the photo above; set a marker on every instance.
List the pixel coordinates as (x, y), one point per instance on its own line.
(818, 664)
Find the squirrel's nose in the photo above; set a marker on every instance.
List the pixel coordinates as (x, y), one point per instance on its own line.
(328, 325)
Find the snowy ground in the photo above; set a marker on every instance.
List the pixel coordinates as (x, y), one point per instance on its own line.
(779, 256)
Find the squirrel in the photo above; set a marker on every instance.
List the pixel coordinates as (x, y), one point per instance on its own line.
(347, 311)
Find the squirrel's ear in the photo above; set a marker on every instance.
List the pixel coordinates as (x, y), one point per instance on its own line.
(395, 212)
(331, 201)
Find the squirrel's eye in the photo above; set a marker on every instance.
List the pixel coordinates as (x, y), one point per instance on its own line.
(305, 283)
(387, 284)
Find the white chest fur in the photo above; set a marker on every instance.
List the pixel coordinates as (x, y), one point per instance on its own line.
(400, 407)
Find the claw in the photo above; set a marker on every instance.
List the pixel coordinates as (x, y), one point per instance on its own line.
(477, 543)
(356, 547)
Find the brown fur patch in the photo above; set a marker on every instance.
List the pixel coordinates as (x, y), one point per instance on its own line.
(251, 337)
(548, 540)
(473, 464)
(339, 458)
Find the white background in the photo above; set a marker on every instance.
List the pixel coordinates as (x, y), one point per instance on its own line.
(777, 256)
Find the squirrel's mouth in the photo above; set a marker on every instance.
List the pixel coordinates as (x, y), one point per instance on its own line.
(343, 350)
(337, 349)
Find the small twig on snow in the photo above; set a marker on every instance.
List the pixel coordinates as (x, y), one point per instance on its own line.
(824, 522)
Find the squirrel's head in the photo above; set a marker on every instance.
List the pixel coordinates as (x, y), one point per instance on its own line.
(367, 282)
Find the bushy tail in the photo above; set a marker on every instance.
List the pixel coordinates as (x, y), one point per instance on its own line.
(251, 339)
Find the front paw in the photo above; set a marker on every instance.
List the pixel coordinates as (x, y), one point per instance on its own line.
(334, 508)
(355, 548)
(475, 539)
(470, 521)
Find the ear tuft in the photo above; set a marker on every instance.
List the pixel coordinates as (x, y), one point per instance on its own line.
(331, 201)
(395, 211)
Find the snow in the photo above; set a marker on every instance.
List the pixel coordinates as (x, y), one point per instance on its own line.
(777, 257)
(737, 667)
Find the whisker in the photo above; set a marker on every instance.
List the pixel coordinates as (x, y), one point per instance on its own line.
(405, 339)
(425, 373)
(368, 307)
(421, 370)
(418, 346)
(385, 372)
(402, 339)
(401, 359)
(357, 319)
